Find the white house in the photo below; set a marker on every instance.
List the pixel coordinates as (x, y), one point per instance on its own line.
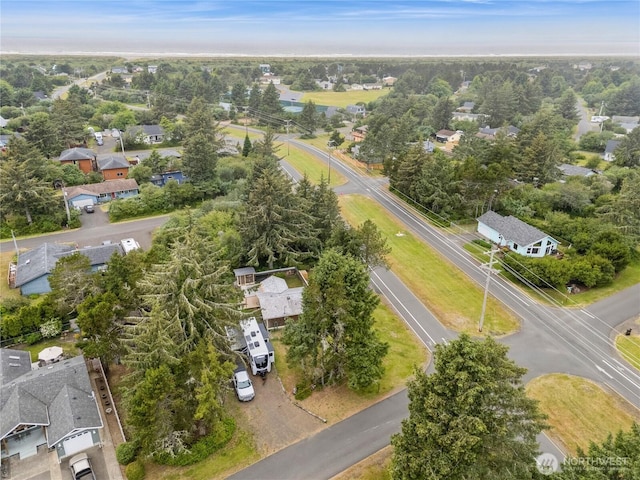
(515, 234)
(609, 150)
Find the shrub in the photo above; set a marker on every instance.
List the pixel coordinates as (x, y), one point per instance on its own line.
(33, 338)
(303, 390)
(135, 470)
(202, 448)
(127, 452)
(51, 328)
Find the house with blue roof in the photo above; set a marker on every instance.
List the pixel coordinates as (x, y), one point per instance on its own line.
(34, 266)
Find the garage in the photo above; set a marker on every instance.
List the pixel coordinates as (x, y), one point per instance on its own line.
(81, 202)
(77, 443)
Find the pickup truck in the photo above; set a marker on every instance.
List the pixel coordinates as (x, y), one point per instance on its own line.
(80, 467)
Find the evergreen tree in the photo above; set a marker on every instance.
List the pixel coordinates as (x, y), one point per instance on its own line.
(246, 147)
(203, 141)
(68, 121)
(334, 340)
(194, 289)
(274, 227)
(566, 106)
(71, 282)
(270, 109)
(255, 98)
(309, 117)
(617, 457)
(471, 418)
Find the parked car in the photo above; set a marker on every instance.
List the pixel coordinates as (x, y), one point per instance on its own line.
(80, 467)
(243, 385)
(89, 208)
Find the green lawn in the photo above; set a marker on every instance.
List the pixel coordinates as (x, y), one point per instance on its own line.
(236, 132)
(579, 410)
(6, 258)
(315, 168)
(452, 297)
(239, 453)
(342, 99)
(629, 348)
(336, 403)
(68, 346)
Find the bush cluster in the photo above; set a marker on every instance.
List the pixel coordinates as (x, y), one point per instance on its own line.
(202, 448)
(127, 452)
(135, 471)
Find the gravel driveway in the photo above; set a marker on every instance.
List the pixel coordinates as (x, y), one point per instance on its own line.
(273, 419)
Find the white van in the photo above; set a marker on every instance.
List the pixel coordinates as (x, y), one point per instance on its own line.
(99, 140)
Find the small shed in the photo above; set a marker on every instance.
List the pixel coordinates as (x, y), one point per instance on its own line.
(245, 276)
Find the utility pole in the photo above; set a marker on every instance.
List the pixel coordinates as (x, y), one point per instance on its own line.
(66, 205)
(288, 136)
(330, 144)
(490, 270)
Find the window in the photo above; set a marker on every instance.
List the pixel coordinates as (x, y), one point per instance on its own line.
(119, 174)
(533, 250)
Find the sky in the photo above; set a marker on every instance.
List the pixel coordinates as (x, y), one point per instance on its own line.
(321, 27)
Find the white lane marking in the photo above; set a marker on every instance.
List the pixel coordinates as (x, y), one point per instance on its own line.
(404, 307)
(621, 374)
(602, 370)
(587, 314)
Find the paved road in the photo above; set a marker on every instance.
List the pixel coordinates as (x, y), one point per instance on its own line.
(584, 125)
(58, 92)
(551, 339)
(141, 230)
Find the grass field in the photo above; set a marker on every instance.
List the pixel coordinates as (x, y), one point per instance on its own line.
(5, 292)
(300, 160)
(342, 99)
(452, 297)
(336, 403)
(579, 410)
(315, 168)
(629, 348)
(237, 454)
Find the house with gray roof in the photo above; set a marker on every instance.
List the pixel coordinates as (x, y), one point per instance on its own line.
(569, 170)
(53, 405)
(516, 235)
(84, 158)
(491, 133)
(93, 193)
(626, 122)
(148, 134)
(271, 294)
(113, 167)
(35, 266)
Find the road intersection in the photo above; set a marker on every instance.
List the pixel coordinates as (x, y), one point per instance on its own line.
(550, 340)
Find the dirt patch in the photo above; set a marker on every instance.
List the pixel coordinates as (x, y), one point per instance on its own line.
(273, 419)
